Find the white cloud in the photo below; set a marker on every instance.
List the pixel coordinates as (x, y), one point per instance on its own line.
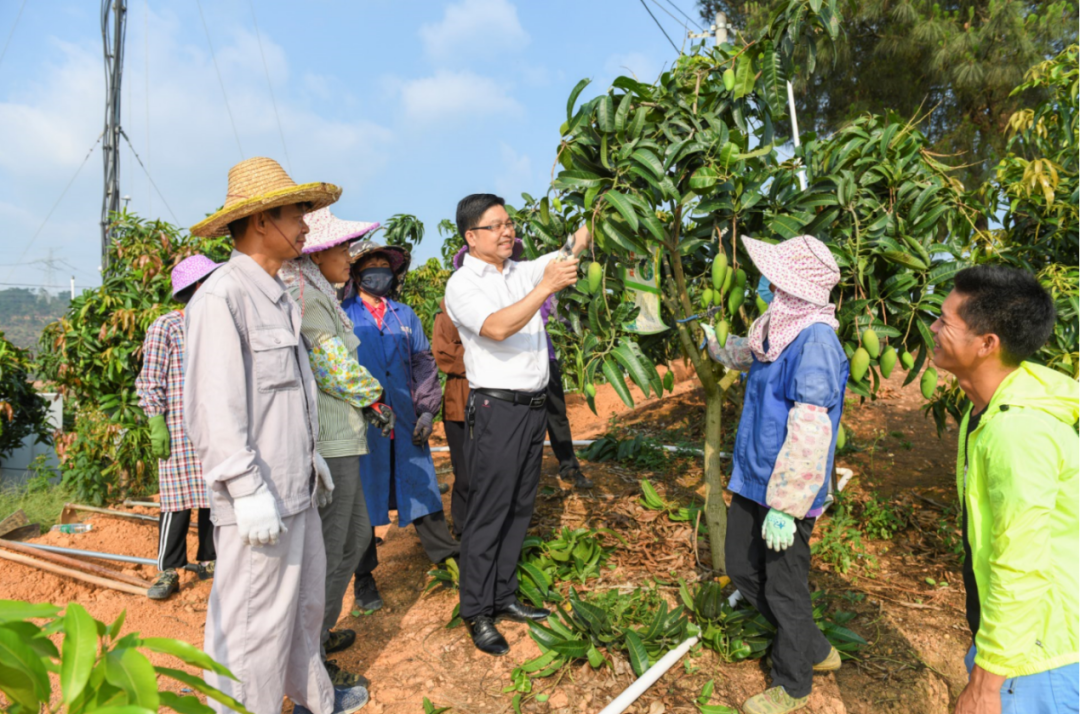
(516, 174)
(57, 112)
(474, 29)
(632, 64)
(449, 94)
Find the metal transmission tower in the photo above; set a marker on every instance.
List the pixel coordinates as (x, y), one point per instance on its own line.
(113, 29)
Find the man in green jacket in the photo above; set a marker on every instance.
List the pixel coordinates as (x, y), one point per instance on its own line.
(1017, 481)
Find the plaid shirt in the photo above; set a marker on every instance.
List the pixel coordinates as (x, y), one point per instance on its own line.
(161, 391)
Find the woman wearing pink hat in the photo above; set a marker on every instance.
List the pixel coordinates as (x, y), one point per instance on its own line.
(160, 386)
(783, 455)
(346, 397)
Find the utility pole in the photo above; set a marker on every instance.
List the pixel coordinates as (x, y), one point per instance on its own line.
(113, 29)
(72, 287)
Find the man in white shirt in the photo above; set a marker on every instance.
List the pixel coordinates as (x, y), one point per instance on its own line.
(495, 304)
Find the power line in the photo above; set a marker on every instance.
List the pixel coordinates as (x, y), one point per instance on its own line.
(12, 33)
(668, 13)
(673, 45)
(149, 178)
(61, 198)
(273, 101)
(221, 82)
(679, 10)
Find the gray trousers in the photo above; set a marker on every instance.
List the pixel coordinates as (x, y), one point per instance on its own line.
(264, 616)
(347, 533)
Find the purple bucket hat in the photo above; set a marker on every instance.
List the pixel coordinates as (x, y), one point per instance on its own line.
(459, 257)
(191, 270)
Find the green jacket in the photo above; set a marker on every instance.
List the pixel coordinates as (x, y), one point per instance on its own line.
(1024, 522)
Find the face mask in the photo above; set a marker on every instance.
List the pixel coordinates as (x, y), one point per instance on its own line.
(763, 289)
(376, 281)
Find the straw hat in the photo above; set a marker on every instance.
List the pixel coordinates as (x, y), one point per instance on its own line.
(325, 230)
(258, 184)
(399, 257)
(801, 266)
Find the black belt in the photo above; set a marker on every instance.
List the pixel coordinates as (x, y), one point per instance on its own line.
(535, 400)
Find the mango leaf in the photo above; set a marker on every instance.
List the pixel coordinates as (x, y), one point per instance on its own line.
(184, 705)
(576, 178)
(649, 160)
(605, 114)
(704, 178)
(639, 657)
(744, 76)
(23, 676)
(623, 206)
(199, 685)
(623, 112)
(573, 97)
(615, 379)
(188, 653)
(79, 651)
(129, 670)
(12, 610)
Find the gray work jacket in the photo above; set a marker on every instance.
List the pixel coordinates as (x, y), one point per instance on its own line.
(249, 393)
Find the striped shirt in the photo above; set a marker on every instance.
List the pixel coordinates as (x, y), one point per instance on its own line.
(160, 386)
(345, 386)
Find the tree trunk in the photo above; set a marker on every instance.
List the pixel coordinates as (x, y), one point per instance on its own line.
(715, 508)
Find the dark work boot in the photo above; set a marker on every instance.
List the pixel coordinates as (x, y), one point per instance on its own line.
(520, 612)
(366, 593)
(580, 481)
(167, 583)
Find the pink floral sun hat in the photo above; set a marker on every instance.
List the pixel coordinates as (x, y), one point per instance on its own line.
(802, 266)
(327, 230)
(191, 270)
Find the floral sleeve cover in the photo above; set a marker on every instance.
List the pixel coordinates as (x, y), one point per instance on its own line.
(736, 354)
(339, 374)
(800, 468)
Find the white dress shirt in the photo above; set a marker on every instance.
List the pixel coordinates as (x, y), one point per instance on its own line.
(474, 293)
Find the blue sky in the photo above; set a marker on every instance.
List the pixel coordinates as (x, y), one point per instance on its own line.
(408, 105)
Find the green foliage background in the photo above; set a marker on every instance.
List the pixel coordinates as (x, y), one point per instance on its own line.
(22, 411)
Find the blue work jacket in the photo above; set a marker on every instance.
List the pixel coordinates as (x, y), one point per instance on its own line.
(813, 369)
(387, 354)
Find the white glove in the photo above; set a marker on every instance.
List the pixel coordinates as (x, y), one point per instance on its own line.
(324, 483)
(257, 519)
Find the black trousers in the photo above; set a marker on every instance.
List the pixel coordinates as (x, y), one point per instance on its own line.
(558, 426)
(433, 531)
(172, 539)
(459, 497)
(777, 584)
(504, 449)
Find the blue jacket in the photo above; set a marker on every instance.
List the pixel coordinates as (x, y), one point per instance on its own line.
(813, 369)
(387, 354)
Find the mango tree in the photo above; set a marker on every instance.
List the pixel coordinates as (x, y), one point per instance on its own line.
(681, 168)
(94, 353)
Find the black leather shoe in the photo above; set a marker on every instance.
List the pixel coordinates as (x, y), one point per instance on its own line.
(519, 612)
(486, 638)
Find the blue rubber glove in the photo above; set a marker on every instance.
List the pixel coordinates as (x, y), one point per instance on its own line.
(779, 530)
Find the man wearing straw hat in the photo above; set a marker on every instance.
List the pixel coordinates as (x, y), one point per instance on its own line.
(250, 406)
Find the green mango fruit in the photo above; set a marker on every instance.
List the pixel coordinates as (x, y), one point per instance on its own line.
(841, 438)
(907, 359)
(860, 361)
(929, 383)
(729, 80)
(872, 344)
(762, 306)
(718, 297)
(707, 297)
(735, 301)
(719, 270)
(729, 278)
(590, 389)
(722, 329)
(740, 278)
(596, 274)
(887, 362)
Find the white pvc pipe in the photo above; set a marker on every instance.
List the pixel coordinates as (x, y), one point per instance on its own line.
(620, 703)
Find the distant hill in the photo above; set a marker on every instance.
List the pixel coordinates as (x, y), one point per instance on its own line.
(24, 313)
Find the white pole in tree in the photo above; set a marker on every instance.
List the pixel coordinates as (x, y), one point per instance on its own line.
(721, 28)
(72, 287)
(795, 130)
